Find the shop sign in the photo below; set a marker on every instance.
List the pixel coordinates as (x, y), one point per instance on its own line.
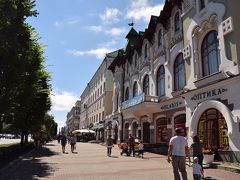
(207, 94)
(171, 106)
(134, 101)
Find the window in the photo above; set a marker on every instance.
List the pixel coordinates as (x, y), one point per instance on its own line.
(160, 37)
(177, 22)
(135, 89)
(135, 61)
(179, 73)
(145, 51)
(210, 54)
(146, 85)
(201, 4)
(127, 94)
(161, 81)
(213, 130)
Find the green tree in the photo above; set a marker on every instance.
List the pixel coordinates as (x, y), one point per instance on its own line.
(24, 81)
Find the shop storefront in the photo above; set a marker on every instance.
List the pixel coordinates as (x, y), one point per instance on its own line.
(213, 114)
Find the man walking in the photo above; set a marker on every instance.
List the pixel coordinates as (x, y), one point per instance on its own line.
(178, 149)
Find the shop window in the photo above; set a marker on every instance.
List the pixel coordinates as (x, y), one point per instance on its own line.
(146, 132)
(146, 85)
(126, 128)
(135, 89)
(134, 131)
(210, 54)
(127, 94)
(180, 122)
(161, 81)
(179, 73)
(161, 130)
(213, 130)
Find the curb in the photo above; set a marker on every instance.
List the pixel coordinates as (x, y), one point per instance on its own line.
(225, 167)
(15, 162)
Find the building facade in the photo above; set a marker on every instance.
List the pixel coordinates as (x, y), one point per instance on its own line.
(73, 117)
(182, 71)
(96, 99)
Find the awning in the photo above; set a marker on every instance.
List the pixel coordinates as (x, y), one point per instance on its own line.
(98, 127)
(83, 131)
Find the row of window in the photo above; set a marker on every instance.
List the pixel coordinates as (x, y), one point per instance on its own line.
(96, 94)
(210, 63)
(177, 26)
(96, 118)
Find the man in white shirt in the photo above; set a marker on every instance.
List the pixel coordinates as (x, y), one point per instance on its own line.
(178, 149)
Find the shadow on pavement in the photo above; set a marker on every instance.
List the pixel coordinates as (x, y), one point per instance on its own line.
(113, 156)
(209, 178)
(31, 167)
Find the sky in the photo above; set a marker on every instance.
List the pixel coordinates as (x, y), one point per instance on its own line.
(77, 34)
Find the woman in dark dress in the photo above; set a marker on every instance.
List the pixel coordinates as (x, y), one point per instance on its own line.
(197, 148)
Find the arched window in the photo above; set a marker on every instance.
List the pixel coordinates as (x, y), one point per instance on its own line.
(146, 85)
(161, 81)
(127, 94)
(160, 37)
(177, 22)
(179, 73)
(201, 4)
(210, 54)
(135, 89)
(145, 51)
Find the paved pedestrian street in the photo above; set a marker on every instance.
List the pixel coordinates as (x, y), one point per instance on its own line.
(90, 162)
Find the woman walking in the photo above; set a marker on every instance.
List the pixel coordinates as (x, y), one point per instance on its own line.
(197, 148)
(109, 144)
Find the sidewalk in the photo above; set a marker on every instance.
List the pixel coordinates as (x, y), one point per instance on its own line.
(90, 162)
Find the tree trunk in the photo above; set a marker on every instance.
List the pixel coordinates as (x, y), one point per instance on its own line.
(22, 138)
(26, 137)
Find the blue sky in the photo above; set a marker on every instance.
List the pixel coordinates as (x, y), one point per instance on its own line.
(77, 34)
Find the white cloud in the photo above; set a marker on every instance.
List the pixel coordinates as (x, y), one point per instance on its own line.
(63, 101)
(72, 21)
(110, 15)
(98, 53)
(141, 9)
(56, 23)
(109, 43)
(95, 28)
(116, 31)
(69, 21)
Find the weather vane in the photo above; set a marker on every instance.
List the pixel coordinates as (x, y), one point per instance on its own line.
(131, 24)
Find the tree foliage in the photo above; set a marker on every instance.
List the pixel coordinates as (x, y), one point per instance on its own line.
(24, 82)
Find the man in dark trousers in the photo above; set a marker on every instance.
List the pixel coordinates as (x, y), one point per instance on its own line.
(178, 150)
(131, 142)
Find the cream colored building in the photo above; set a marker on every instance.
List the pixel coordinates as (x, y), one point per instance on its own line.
(96, 99)
(73, 117)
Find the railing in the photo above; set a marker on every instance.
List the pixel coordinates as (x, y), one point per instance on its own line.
(134, 101)
(139, 99)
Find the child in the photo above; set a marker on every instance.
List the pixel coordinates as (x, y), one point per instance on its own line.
(197, 169)
(124, 148)
(140, 149)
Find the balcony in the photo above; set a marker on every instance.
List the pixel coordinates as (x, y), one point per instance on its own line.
(141, 105)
